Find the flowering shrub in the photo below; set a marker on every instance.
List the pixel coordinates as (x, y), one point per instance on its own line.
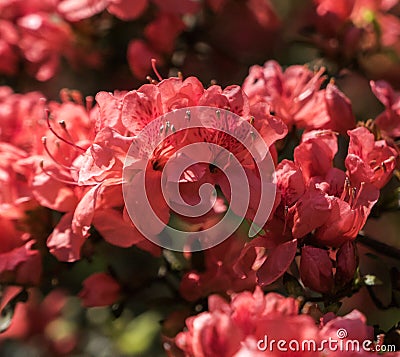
(224, 181)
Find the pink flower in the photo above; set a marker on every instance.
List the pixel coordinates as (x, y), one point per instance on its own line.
(177, 93)
(43, 41)
(348, 214)
(140, 107)
(328, 109)
(227, 328)
(162, 32)
(334, 12)
(270, 82)
(319, 204)
(288, 93)
(388, 121)
(63, 243)
(369, 160)
(20, 143)
(8, 48)
(74, 10)
(311, 211)
(33, 319)
(349, 23)
(19, 262)
(178, 6)
(247, 324)
(139, 55)
(20, 120)
(290, 182)
(126, 9)
(144, 105)
(82, 176)
(354, 323)
(99, 289)
(342, 204)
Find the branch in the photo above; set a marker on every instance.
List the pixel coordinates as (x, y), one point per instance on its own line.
(380, 247)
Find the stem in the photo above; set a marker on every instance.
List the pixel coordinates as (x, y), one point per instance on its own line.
(380, 247)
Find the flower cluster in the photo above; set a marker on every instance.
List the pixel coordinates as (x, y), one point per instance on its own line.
(251, 322)
(240, 204)
(71, 160)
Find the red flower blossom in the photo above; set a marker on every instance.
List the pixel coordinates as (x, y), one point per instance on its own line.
(99, 289)
(388, 121)
(19, 262)
(295, 96)
(124, 9)
(42, 43)
(247, 324)
(82, 175)
(162, 32)
(8, 48)
(369, 160)
(219, 274)
(139, 56)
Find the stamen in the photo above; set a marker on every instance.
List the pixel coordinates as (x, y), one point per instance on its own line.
(76, 97)
(383, 164)
(47, 113)
(345, 191)
(353, 196)
(153, 65)
(358, 194)
(286, 212)
(151, 80)
(44, 141)
(326, 132)
(68, 182)
(64, 127)
(389, 160)
(89, 103)
(64, 95)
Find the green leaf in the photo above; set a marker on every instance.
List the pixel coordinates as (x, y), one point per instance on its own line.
(139, 334)
(371, 280)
